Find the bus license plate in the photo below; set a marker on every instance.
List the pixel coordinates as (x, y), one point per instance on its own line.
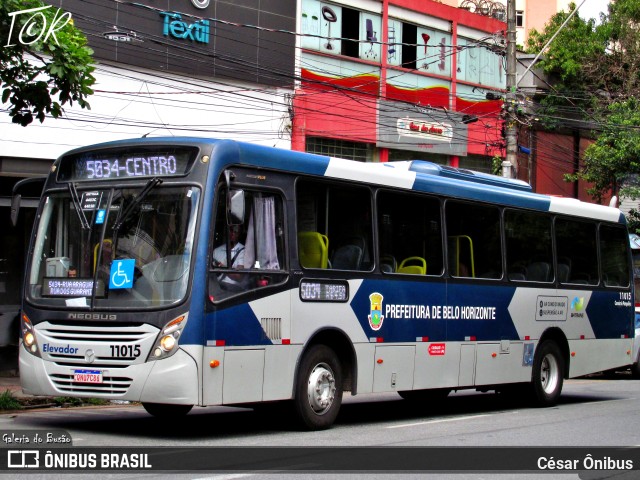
(87, 376)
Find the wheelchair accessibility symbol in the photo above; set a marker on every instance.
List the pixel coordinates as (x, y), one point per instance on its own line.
(121, 274)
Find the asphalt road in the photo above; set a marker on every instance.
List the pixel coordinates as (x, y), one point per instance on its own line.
(593, 412)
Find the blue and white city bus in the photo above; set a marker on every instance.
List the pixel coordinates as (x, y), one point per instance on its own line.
(182, 272)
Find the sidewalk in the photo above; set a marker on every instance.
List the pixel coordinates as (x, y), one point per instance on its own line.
(9, 376)
(10, 381)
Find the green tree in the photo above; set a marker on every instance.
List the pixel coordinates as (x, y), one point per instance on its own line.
(598, 67)
(45, 62)
(619, 66)
(569, 61)
(611, 162)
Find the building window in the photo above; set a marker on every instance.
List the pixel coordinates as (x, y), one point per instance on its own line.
(362, 152)
(477, 163)
(404, 155)
(350, 32)
(519, 18)
(409, 45)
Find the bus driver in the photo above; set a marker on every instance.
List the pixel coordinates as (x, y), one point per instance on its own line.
(237, 258)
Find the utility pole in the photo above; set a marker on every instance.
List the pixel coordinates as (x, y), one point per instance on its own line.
(511, 134)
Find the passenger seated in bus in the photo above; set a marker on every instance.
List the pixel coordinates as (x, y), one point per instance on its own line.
(237, 258)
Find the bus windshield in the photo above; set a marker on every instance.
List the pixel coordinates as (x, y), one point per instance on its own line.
(114, 247)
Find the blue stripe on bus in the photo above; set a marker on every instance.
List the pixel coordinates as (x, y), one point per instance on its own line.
(456, 312)
(236, 325)
(266, 157)
(602, 306)
(404, 311)
(482, 192)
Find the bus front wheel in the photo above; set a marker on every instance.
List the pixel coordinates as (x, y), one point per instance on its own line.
(166, 410)
(318, 388)
(548, 374)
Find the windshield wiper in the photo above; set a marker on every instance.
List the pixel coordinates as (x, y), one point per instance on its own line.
(73, 192)
(125, 213)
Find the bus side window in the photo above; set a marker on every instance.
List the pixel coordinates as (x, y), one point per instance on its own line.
(336, 219)
(473, 228)
(614, 254)
(576, 246)
(409, 227)
(251, 255)
(529, 247)
(461, 260)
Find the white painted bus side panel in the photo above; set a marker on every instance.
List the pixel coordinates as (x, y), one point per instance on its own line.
(588, 356)
(534, 310)
(280, 365)
(274, 314)
(467, 371)
(494, 366)
(313, 316)
(437, 365)
(212, 378)
(243, 376)
(394, 368)
(365, 360)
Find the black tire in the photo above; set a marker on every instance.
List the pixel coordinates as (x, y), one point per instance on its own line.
(548, 374)
(166, 410)
(318, 393)
(432, 396)
(635, 370)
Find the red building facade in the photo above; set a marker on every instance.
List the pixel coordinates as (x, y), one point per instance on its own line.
(399, 79)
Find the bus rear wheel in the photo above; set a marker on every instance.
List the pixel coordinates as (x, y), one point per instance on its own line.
(548, 374)
(318, 389)
(166, 410)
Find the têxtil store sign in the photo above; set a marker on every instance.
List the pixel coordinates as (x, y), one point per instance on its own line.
(174, 26)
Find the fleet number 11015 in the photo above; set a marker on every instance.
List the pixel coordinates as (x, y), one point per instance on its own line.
(123, 351)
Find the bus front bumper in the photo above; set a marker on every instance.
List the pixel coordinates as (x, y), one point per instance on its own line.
(173, 380)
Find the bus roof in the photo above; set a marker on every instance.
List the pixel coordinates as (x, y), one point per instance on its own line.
(416, 175)
(430, 168)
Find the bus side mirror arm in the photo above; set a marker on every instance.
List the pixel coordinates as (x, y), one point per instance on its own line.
(235, 201)
(16, 196)
(15, 208)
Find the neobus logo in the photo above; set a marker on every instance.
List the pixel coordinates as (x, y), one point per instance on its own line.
(92, 316)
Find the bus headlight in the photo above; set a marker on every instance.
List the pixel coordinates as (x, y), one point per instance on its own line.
(167, 342)
(29, 336)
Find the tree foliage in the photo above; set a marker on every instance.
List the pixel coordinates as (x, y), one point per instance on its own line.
(568, 61)
(614, 157)
(599, 71)
(44, 63)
